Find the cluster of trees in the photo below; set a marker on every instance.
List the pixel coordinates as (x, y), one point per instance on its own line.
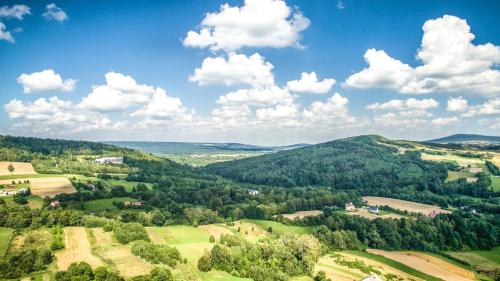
(16, 216)
(456, 231)
(83, 272)
(156, 253)
(493, 168)
(129, 232)
(25, 262)
(57, 237)
(288, 256)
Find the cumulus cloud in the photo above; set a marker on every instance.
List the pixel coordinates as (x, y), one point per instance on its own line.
(45, 80)
(334, 110)
(5, 35)
(490, 107)
(258, 23)
(402, 105)
(280, 111)
(162, 106)
(398, 122)
(257, 96)
(53, 114)
(54, 13)
(16, 11)
(235, 69)
(309, 83)
(444, 121)
(450, 63)
(457, 104)
(491, 123)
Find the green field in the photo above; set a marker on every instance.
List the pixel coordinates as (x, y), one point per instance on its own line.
(495, 183)
(395, 264)
(8, 177)
(128, 185)
(279, 228)
(452, 175)
(5, 238)
(101, 205)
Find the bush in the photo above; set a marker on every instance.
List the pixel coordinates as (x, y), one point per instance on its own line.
(211, 239)
(156, 253)
(128, 232)
(83, 272)
(205, 263)
(57, 238)
(25, 262)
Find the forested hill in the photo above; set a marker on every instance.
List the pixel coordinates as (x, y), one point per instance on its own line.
(464, 138)
(362, 162)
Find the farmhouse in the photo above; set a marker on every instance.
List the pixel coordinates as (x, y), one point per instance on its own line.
(373, 209)
(471, 180)
(132, 204)
(110, 160)
(253, 192)
(55, 204)
(475, 170)
(349, 207)
(433, 214)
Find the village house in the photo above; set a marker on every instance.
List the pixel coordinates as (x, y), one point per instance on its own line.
(373, 277)
(55, 204)
(110, 160)
(471, 180)
(253, 192)
(433, 214)
(132, 204)
(373, 209)
(349, 207)
(24, 191)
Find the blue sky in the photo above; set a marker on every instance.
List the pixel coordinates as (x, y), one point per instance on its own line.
(126, 70)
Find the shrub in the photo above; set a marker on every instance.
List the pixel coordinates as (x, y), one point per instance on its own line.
(156, 253)
(128, 232)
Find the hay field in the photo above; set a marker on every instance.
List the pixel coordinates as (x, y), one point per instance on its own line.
(363, 212)
(303, 214)
(76, 249)
(404, 205)
(428, 264)
(118, 255)
(49, 186)
(20, 168)
(338, 272)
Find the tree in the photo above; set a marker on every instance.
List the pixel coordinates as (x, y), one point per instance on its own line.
(321, 276)
(158, 218)
(11, 168)
(205, 263)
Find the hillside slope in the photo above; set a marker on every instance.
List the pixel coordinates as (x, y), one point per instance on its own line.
(466, 138)
(362, 162)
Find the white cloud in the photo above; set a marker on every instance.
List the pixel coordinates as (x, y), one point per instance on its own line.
(54, 13)
(457, 104)
(258, 23)
(16, 11)
(4, 34)
(257, 96)
(490, 107)
(450, 63)
(54, 116)
(161, 106)
(334, 110)
(408, 104)
(120, 93)
(444, 121)
(398, 122)
(309, 83)
(45, 80)
(491, 123)
(280, 111)
(340, 5)
(236, 69)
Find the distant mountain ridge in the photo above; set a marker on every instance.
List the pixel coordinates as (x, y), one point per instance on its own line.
(466, 138)
(202, 147)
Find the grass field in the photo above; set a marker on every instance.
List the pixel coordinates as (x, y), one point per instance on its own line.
(101, 205)
(20, 168)
(428, 264)
(495, 183)
(482, 260)
(5, 238)
(453, 175)
(459, 160)
(302, 214)
(363, 212)
(404, 205)
(279, 228)
(128, 185)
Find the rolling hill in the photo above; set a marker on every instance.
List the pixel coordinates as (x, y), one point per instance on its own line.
(363, 162)
(466, 138)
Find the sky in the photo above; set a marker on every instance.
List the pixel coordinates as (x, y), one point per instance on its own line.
(267, 72)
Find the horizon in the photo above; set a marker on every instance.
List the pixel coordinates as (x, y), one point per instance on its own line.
(305, 72)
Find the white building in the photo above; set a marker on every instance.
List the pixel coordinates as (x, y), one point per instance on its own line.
(373, 277)
(110, 160)
(253, 192)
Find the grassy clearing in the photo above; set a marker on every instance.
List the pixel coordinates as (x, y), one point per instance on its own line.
(5, 238)
(395, 264)
(77, 249)
(476, 260)
(279, 228)
(128, 185)
(461, 161)
(302, 214)
(452, 175)
(495, 183)
(101, 205)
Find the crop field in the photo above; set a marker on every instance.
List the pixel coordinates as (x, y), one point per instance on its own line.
(404, 205)
(101, 205)
(428, 264)
(44, 186)
(302, 214)
(5, 238)
(363, 212)
(117, 255)
(482, 260)
(459, 160)
(20, 168)
(76, 249)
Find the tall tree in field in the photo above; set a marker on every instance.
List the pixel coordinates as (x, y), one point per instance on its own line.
(11, 168)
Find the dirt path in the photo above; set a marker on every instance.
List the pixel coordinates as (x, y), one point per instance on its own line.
(428, 264)
(76, 249)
